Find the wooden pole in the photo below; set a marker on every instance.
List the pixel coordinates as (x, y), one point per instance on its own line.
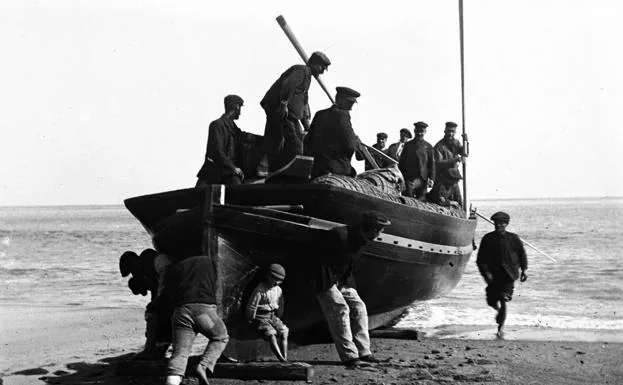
(465, 142)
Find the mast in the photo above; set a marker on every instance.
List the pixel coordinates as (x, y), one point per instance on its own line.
(465, 142)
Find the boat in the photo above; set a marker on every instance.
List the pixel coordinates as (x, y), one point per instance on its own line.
(243, 228)
(420, 256)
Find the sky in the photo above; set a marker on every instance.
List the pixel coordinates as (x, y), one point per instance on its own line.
(103, 100)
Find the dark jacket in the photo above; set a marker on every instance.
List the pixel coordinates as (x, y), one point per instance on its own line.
(332, 142)
(335, 257)
(292, 86)
(192, 280)
(224, 139)
(501, 255)
(417, 160)
(393, 149)
(444, 155)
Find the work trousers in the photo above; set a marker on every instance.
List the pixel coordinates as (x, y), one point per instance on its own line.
(347, 317)
(188, 320)
(283, 140)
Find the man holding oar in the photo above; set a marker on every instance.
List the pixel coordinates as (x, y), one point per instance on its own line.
(287, 108)
(500, 256)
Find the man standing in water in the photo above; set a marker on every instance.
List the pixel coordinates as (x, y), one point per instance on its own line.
(500, 256)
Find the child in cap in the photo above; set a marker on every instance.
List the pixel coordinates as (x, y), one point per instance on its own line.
(265, 308)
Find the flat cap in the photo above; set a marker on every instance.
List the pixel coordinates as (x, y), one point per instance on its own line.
(348, 92)
(451, 125)
(276, 271)
(233, 99)
(381, 135)
(406, 132)
(501, 216)
(420, 125)
(374, 219)
(320, 58)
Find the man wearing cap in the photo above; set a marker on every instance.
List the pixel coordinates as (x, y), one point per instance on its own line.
(500, 256)
(449, 152)
(287, 108)
(395, 149)
(331, 139)
(222, 153)
(417, 163)
(381, 140)
(336, 255)
(445, 191)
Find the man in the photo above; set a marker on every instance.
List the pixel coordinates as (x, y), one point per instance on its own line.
(287, 108)
(331, 139)
(445, 191)
(449, 152)
(500, 256)
(222, 151)
(337, 254)
(191, 288)
(417, 163)
(381, 140)
(395, 149)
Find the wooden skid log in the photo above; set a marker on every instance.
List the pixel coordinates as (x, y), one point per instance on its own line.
(289, 371)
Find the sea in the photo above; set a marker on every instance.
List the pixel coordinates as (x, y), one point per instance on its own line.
(67, 256)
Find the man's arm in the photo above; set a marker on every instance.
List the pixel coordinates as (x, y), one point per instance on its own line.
(216, 145)
(251, 308)
(483, 260)
(523, 258)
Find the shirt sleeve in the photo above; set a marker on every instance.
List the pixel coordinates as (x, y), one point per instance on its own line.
(293, 81)
(280, 309)
(521, 251)
(254, 300)
(483, 257)
(217, 143)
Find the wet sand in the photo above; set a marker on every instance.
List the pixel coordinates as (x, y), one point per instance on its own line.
(70, 346)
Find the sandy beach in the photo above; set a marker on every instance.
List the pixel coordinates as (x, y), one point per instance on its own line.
(70, 346)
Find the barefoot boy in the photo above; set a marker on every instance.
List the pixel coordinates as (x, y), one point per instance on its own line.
(500, 256)
(264, 309)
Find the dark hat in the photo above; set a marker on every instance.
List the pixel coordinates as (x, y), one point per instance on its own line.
(501, 216)
(348, 92)
(128, 263)
(374, 219)
(276, 271)
(454, 174)
(451, 125)
(381, 135)
(319, 58)
(420, 125)
(406, 132)
(231, 100)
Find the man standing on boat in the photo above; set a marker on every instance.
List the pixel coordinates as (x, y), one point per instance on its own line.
(331, 139)
(337, 254)
(417, 163)
(500, 256)
(223, 147)
(381, 140)
(395, 149)
(287, 108)
(449, 152)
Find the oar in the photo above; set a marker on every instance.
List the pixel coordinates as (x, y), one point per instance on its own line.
(299, 48)
(523, 240)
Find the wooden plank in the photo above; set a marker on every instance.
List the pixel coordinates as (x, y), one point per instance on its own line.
(289, 371)
(402, 334)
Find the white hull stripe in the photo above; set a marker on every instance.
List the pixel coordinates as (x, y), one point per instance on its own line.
(400, 241)
(423, 246)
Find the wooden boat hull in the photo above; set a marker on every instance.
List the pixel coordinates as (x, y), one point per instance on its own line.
(422, 255)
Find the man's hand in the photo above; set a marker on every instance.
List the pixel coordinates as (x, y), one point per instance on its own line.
(238, 172)
(430, 183)
(282, 110)
(524, 276)
(305, 124)
(465, 137)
